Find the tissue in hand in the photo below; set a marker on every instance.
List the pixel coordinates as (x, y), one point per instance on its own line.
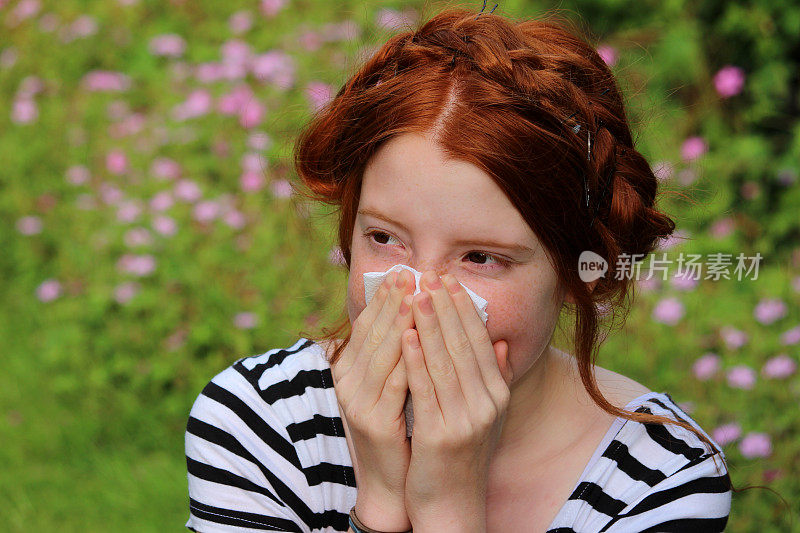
(373, 280)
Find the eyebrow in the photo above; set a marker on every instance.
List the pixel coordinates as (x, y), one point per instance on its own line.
(518, 248)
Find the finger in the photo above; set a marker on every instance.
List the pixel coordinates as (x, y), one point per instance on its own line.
(427, 413)
(393, 396)
(377, 332)
(374, 381)
(460, 347)
(438, 362)
(481, 342)
(361, 326)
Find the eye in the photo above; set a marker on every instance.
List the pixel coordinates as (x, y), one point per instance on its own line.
(375, 236)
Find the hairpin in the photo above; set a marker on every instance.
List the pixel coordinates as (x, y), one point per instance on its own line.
(576, 128)
(484, 7)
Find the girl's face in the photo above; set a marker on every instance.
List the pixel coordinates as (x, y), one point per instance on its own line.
(450, 217)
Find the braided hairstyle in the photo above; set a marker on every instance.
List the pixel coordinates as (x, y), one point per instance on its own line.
(509, 98)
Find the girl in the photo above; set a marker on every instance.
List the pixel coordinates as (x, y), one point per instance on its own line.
(489, 155)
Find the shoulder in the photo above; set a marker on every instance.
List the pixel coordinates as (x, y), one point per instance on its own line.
(618, 389)
(664, 476)
(255, 438)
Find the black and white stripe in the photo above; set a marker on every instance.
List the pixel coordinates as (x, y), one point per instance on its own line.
(266, 451)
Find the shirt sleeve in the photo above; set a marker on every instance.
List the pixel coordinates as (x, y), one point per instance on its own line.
(243, 472)
(695, 498)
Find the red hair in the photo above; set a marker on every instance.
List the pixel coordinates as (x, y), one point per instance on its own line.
(499, 95)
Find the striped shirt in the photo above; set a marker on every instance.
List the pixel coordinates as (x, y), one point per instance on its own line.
(266, 451)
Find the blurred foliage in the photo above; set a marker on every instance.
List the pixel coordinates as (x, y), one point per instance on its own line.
(112, 324)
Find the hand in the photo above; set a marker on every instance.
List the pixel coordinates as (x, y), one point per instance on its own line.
(371, 387)
(459, 384)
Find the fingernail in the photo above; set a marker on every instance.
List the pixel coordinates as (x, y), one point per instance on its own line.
(452, 285)
(432, 281)
(426, 306)
(404, 307)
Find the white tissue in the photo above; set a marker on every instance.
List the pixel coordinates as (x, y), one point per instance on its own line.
(373, 280)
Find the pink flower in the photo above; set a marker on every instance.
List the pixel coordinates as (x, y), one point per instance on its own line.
(608, 54)
(251, 114)
(169, 44)
(236, 52)
(251, 181)
(137, 237)
(197, 104)
(245, 320)
(103, 80)
(117, 162)
(165, 225)
(125, 291)
(240, 22)
(685, 281)
(206, 211)
(258, 140)
(668, 311)
(779, 367)
(77, 174)
(650, 284)
(394, 20)
(692, 148)
(310, 40)
(275, 67)
(187, 190)
(726, 433)
(677, 237)
(722, 228)
(319, 94)
(733, 338)
(83, 26)
(281, 189)
(706, 366)
(8, 57)
(687, 176)
(254, 162)
(342, 31)
(755, 445)
(769, 310)
(233, 102)
(335, 256)
(663, 170)
(165, 168)
(110, 194)
(129, 211)
(741, 377)
(791, 337)
(138, 265)
(234, 219)
(25, 9)
(48, 290)
(209, 72)
(29, 225)
(161, 201)
(25, 111)
(271, 7)
(729, 81)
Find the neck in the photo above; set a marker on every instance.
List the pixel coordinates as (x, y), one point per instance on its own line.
(537, 419)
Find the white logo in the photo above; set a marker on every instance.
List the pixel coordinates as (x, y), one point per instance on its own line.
(591, 266)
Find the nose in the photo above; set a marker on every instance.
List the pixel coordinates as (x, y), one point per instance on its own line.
(422, 268)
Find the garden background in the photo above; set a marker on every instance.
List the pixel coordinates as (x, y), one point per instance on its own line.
(151, 235)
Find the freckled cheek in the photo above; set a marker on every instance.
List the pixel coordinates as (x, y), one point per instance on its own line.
(524, 321)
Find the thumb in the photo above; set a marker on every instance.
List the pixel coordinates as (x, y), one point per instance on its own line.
(501, 352)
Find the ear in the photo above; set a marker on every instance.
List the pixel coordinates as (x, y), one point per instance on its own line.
(591, 284)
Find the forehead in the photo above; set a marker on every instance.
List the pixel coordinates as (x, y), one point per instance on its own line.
(410, 180)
